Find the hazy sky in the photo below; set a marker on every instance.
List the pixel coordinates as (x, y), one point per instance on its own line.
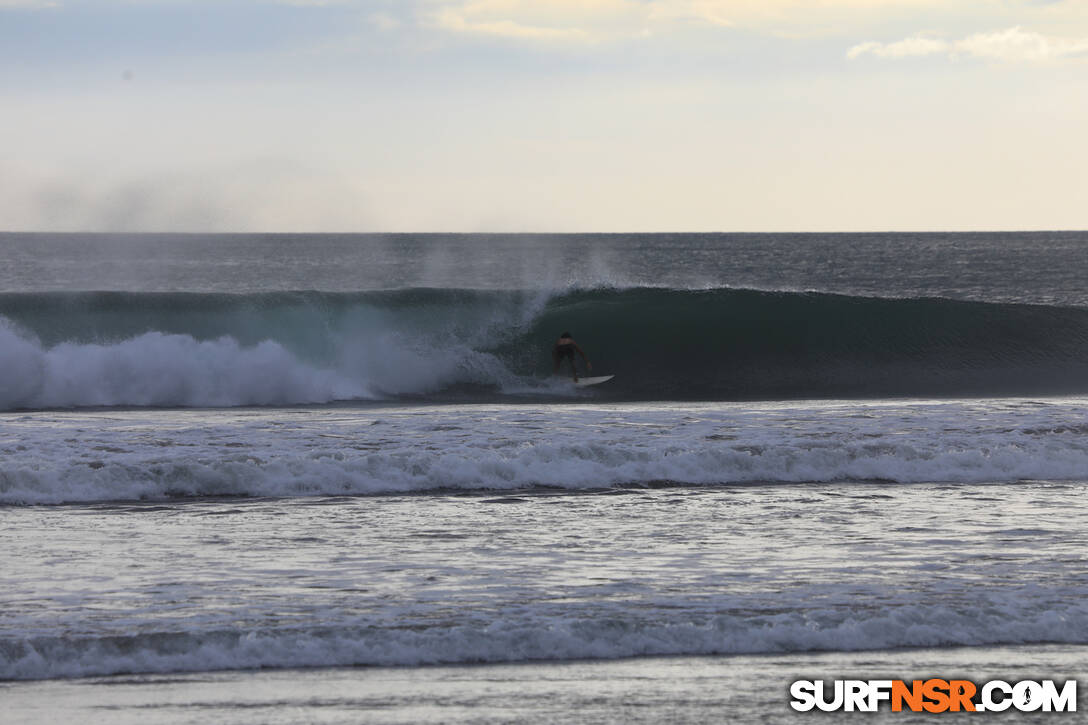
(544, 115)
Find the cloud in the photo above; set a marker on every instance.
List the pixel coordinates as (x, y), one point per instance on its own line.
(702, 11)
(782, 13)
(610, 19)
(457, 22)
(1014, 45)
(538, 20)
(915, 46)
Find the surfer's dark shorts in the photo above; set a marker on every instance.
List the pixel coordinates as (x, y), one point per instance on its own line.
(563, 351)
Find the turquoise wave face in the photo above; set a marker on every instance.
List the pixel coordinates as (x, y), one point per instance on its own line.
(744, 344)
(72, 349)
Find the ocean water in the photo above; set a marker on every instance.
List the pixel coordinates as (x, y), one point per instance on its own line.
(333, 478)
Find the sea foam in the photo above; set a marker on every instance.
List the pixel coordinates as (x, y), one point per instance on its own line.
(543, 635)
(153, 455)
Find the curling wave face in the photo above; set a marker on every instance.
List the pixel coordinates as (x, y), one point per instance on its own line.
(149, 349)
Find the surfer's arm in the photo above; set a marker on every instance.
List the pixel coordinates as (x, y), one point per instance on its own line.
(589, 365)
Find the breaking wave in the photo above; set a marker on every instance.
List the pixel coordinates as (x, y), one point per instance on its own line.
(543, 635)
(176, 349)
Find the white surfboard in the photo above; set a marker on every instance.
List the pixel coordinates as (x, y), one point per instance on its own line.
(582, 382)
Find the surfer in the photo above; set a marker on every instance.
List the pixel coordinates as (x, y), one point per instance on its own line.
(564, 349)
